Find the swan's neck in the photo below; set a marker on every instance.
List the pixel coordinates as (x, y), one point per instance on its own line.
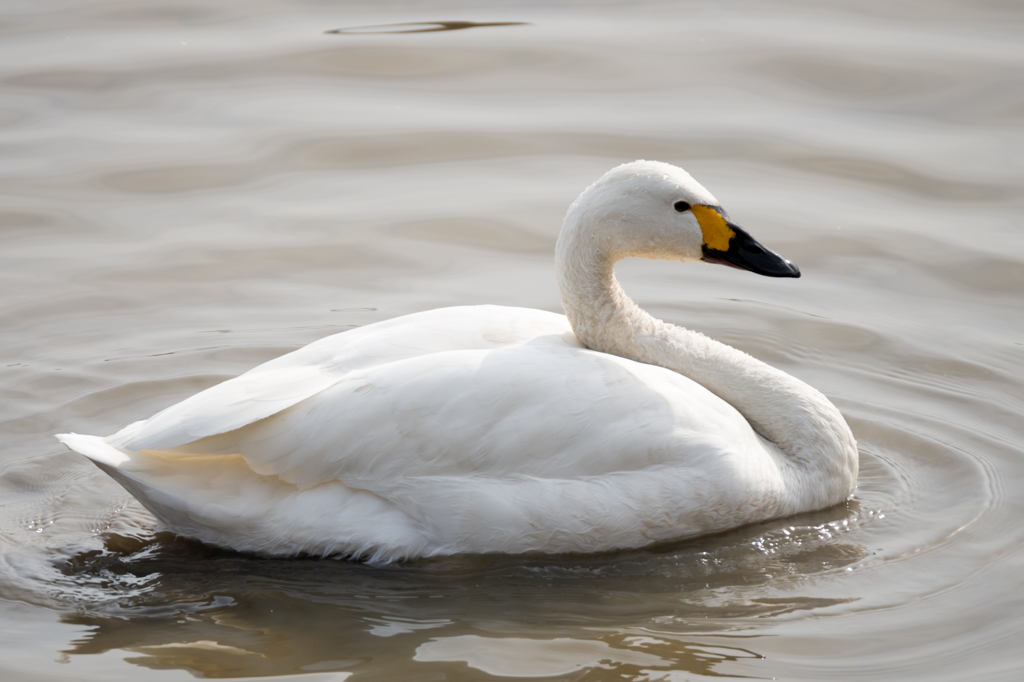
(819, 449)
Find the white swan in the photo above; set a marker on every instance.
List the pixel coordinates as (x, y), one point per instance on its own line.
(491, 429)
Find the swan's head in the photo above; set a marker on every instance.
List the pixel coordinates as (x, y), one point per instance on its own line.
(656, 210)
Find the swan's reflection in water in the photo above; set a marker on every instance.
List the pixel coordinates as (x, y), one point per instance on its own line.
(177, 604)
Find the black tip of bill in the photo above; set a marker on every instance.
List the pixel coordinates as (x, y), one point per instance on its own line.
(746, 253)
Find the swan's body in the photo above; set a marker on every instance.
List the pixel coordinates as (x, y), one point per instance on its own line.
(490, 429)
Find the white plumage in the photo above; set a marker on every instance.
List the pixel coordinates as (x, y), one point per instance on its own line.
(492, 429)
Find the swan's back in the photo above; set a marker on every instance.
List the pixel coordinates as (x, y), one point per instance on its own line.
(482, 429)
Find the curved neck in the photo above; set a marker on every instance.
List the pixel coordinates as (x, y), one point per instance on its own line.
(816, 442)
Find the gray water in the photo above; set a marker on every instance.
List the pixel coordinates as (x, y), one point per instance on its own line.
(188, 189)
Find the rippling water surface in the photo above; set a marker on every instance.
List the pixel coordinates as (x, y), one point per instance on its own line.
(188, 189)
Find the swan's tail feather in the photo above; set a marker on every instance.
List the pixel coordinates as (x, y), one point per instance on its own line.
(220, 500)
(110, 460)
(97, 449)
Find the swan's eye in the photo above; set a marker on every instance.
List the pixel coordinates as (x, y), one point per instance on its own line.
(682, 206)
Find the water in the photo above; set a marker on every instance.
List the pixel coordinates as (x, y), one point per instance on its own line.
(189, 189)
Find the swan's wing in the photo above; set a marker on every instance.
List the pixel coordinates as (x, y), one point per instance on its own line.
(545, 409)
(541, 446)
(535, 445)
(288, 380)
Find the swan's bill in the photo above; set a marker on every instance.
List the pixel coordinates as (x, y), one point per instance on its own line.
(727, 243)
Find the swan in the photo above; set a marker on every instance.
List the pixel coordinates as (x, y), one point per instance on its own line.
(487, 429)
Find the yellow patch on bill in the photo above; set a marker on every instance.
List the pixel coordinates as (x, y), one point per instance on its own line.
(717, 232)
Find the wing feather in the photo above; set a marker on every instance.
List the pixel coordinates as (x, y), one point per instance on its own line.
(290, 379)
